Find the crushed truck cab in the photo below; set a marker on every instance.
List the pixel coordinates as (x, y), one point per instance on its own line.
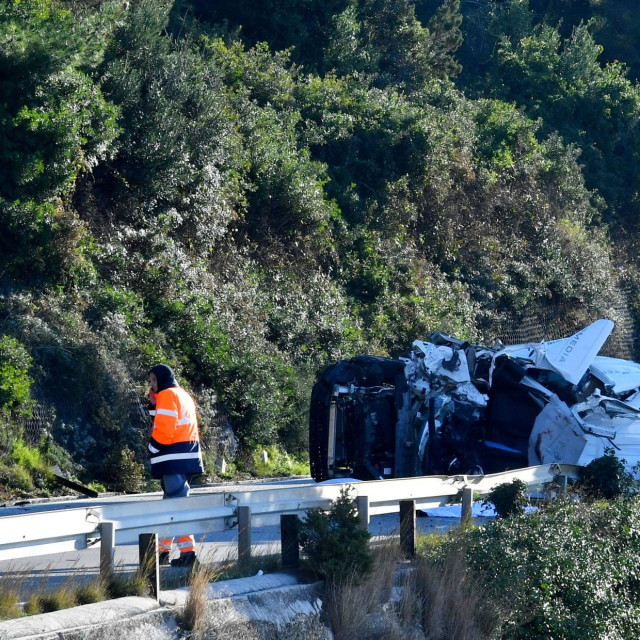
(450, 407)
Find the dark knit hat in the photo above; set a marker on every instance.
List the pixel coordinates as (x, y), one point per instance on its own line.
(165, 376)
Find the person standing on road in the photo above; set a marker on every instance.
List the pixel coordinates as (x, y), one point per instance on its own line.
(175, 450)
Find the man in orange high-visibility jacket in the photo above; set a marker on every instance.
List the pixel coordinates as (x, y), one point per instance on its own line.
(175, 449)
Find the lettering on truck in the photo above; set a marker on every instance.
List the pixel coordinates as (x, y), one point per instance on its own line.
(571, 345)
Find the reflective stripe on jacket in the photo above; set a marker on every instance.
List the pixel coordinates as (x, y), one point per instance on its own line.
(175, 443)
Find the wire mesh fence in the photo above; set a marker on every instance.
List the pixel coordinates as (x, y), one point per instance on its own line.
(542, 327)
(538, 324)
(38, 424)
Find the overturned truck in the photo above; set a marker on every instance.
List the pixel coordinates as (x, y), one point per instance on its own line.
(450, 407)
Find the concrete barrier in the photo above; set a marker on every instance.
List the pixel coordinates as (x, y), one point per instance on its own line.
(265, 607)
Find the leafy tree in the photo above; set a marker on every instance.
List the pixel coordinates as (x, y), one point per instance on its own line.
(55, 125)
(446, 38)
(593, 105)
(614, 21)
(385, 43)
(382, 42)
(176, 136)
(562, 81)
(300, 25)
(286, 201)
(15, 378)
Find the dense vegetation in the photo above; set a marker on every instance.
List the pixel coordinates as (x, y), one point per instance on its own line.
(249, 191)
(569, 571)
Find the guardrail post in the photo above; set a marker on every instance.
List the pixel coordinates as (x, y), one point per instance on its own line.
(467, 504)
(244, 534)
(408, 528)
(289, 544)
(563, 481)
(148, 558)
(362, 504)
(107, 548)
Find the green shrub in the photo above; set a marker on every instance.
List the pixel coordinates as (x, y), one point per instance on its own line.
(63, 598)
(568, 571)
(15, 381)
(91, 591)
(10, 597)
(28, 457)
(272, 461)
(126, 474)
(97, 487)
(16, 478)
(605, 477)
(335, 545)
(25, 467)
(508, 498)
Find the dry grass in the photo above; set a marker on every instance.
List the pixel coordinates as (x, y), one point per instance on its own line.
(192, 617)
(42, 593)
(64, 597)
(93, 590)
(122, 583)
(447, 601)
(267, 560)
(44, 598)
(354, 609)
(78, 589)
(435, 599)
(11, 585)
(16, 586)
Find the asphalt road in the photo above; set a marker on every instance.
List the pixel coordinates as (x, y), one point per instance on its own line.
(48, 572)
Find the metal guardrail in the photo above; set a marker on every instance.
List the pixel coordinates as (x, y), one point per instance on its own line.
(57, 531)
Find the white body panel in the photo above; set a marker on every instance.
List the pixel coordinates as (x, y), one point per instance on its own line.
(582, 433)
(571, 356)
(624, 374)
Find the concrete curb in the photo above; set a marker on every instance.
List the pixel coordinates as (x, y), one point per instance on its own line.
(292, 612)
(231, 588)
(76, 622)
(257, 607)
